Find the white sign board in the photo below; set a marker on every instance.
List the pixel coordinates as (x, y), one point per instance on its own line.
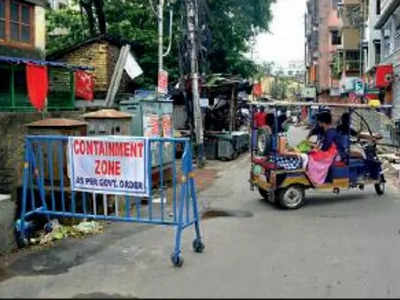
(309, 92)
(109, 165)
(359, 87)
(204, 102)
(132, 67)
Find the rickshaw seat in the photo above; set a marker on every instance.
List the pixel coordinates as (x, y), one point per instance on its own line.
(264, 163)
(339, 164)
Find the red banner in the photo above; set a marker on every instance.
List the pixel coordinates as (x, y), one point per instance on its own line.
(257, 90)
(84, 85)
(163, 82)
(37, 85)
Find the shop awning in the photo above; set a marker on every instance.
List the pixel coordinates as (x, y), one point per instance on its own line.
(20, 60)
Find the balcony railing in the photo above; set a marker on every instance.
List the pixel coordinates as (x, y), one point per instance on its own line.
(352, 65)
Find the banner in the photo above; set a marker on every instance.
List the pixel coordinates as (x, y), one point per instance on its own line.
(109, 165)
(163, 82)
(37, 85)
(84, 85)
(132, 67)
(167, 125)
(151, 127)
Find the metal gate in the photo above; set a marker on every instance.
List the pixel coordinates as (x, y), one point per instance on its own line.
(47, 191)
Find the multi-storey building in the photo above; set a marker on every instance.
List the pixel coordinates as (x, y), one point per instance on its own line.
(388, 23)
(322, 39)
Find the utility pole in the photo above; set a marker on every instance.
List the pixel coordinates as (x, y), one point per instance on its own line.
(160, 17)
(192, 14)
(159, 13)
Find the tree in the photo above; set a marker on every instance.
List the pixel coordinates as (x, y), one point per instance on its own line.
(225, 27)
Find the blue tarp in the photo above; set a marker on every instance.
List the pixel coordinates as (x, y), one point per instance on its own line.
(20, 60)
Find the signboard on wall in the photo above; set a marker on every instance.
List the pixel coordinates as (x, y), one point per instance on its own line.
(109, 165)
(309, 92)
(163, 82)
(359, 87)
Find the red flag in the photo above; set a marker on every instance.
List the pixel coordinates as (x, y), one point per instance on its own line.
(37, 84)
(257, 90)
(84, 85)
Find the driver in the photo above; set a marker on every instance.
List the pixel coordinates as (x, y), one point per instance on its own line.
(344, 129)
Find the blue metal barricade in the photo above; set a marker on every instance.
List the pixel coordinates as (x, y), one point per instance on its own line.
(47, 191)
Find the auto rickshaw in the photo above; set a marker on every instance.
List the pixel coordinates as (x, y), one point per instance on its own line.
(286, 188)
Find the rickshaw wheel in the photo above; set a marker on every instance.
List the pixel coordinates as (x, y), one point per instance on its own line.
(292, 197)
(263, 193)
(380, 187)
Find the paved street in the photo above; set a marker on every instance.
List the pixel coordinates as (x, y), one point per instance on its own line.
(336, 246)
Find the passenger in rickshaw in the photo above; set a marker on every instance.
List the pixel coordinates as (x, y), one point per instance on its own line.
(344, 130)
(323, 155)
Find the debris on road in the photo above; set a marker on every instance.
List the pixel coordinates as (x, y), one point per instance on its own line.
(59, 232)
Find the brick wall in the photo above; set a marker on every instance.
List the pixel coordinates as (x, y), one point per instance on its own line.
(103, 56)
(94, 55)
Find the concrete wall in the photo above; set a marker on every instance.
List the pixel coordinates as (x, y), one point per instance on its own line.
(324, 45)
(40, 28)
(12, 131)
(372, 35)
(351, 39)
(7, 221)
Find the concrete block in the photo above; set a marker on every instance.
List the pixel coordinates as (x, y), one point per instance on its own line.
(7, 221)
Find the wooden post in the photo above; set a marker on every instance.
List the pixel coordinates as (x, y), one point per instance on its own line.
(117, 75)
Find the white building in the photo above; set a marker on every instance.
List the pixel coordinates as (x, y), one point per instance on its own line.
(295, 68)
(372, 37)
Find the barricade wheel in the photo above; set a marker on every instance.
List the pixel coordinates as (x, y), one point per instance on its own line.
(22, 241)
(177, 260)
(48, 227)
(198, 246)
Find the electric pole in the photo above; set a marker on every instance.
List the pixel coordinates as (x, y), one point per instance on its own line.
(192, 20)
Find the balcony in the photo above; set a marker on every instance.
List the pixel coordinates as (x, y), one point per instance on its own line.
(350, 39)
(352, 66)
(351, 2)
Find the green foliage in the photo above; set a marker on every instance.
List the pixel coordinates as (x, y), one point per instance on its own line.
(232, 23)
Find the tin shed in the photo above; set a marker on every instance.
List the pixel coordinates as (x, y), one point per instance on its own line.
(108, 122)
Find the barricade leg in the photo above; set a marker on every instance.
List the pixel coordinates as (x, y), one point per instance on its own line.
(198, 245)
(22, 239)
(176, 257)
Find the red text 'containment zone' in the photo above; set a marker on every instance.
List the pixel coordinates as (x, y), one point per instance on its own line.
(102, 148)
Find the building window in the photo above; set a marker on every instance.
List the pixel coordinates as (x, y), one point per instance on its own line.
(2, 20)
(336, 38)
(378, 7)
(16, 22)
(377, 53)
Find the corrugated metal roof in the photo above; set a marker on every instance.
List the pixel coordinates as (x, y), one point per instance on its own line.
(20, 60)
(59, 122)
(107, 114)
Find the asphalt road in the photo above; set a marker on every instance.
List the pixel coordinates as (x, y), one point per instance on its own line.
(345, 245)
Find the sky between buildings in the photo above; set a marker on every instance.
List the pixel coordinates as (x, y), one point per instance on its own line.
(286, 40)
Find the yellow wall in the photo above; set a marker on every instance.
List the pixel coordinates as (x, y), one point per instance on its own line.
(351, 39)
(266, 84)
(40, 28)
